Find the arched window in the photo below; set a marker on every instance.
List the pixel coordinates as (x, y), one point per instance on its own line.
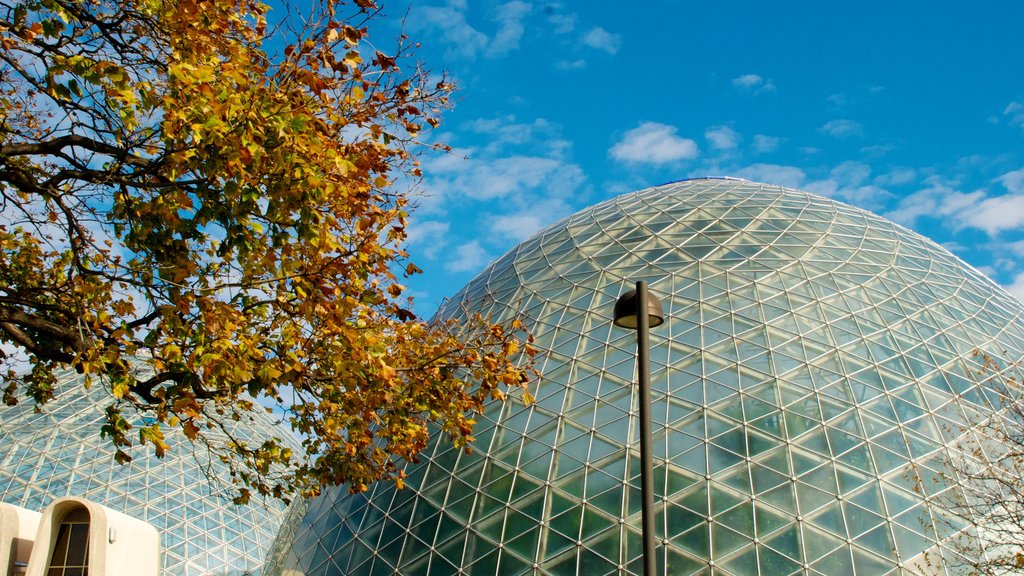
(71, 552)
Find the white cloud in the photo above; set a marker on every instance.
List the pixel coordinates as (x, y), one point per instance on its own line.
(453, 161)
(1014, 113)
(869, 197)
(518, 226)
(956, 248)
(510, 28)
(994, 215)
(998, 213)
(991, 214)
(988, 271)
(896, 177)
(754, 83)
(1016, 288)
(430, 236)
(653, 143)
(449, 23)
(505, 131)
(766, 144)
(468, 257)
(842, 128)
(601, 39)
(450, 27)
(939, 199)
(562, 23)
(496, 172)
(502, 177)
(788, 176)
(837, 101)
(852, 98)
(1013, 181)
(849, 182)
(722, 137)
(877, 150)
(571, 65)
(488, 197)
(1015, 248)
(851, 173)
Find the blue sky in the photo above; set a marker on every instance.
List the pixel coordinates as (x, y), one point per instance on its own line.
(913, 110)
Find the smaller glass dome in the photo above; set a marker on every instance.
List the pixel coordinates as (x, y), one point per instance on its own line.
(59, 452)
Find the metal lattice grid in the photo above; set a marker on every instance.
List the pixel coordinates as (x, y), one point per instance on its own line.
(186, 495)
(812, 380)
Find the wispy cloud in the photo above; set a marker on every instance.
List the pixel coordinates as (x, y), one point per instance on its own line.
(842, 128)
(1016, 287)
(999, 213)
(505, 131)
(995, 215)
(601, 39)
(849, 181)
(722, 137)
(939, 199)
(754, 83)
(852, 98)
(788, 176)
(519, 182)
(1013, 181)
(517, 226)
(502, 177)
(571, 64)
(449, 25)
(837, 101)
(429, 236)
(766, 144)
(1014, 114)
(520, 158)
(510, 28)
(521, 224)
(992, 214)
(653, 143)
(561, 22)
(896, 177)
(468, 257)
(877, 150)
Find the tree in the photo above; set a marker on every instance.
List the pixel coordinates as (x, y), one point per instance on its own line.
(981, 486)
(175, 193)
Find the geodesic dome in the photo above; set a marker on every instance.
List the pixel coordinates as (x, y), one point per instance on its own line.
(814, 375)
(186, 495)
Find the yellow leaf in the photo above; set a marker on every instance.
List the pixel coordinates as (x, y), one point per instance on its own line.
(172, 353)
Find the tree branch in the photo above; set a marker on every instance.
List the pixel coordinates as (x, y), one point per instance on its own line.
(57, 145)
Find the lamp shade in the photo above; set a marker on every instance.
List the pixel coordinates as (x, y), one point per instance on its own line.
(625, 311)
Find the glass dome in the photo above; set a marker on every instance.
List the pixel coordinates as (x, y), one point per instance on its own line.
(814, 376)
(59, 452)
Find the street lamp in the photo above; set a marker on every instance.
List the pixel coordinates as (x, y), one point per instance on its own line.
(640, 311)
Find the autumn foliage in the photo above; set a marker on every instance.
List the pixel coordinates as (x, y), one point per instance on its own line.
(209, 189)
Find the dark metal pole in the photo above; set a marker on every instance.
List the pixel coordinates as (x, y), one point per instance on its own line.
(646, 439)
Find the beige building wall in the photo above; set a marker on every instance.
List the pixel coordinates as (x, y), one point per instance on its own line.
(118, 544)
(17, 532)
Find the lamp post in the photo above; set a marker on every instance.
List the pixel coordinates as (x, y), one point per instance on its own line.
(640, 311)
